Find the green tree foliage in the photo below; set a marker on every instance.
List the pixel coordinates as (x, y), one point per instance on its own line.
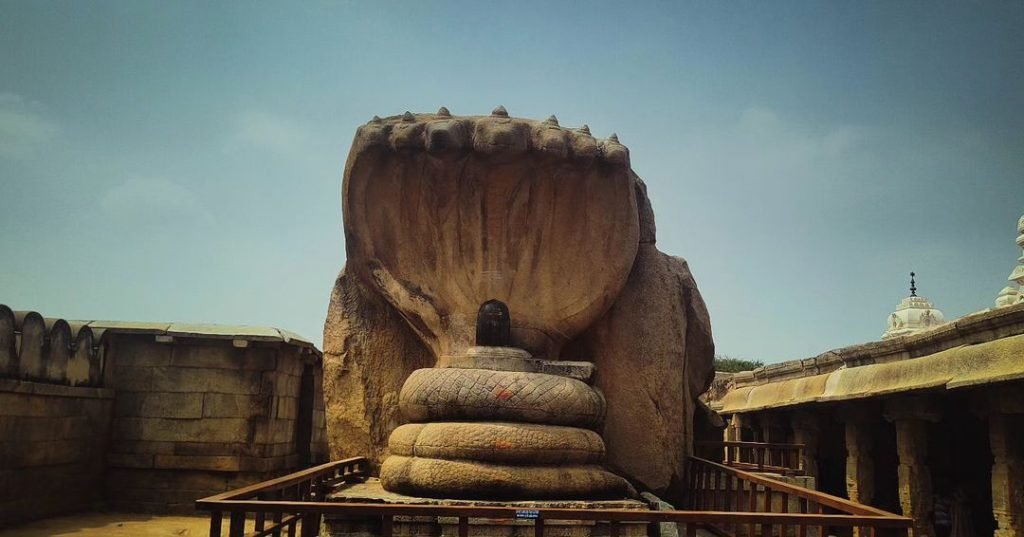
(728, 364)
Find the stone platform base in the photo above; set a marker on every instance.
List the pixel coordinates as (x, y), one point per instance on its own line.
(372, 492)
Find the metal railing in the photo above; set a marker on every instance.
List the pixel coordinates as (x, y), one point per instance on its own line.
(786, 459)
(724, 500)
(718, 488)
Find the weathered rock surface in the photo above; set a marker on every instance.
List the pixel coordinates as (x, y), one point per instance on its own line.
(522, 443)
(653, 351)
(444, 213)
(463, 479)
(369, 350)
(483, 394)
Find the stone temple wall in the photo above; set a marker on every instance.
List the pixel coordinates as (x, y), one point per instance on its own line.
(197, 417)
(148, 416)
(54, 416)
(52, 443)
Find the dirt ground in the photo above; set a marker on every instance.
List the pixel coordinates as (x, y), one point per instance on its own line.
(114, 525)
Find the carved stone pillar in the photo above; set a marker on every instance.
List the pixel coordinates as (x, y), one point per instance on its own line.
(806, 428)
(734, 432)
(860, 465)
(911, 416)
(1005, 410)
(773, 426)
(1005, 434)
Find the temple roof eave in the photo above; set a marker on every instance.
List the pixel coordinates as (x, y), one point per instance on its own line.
(960, 367)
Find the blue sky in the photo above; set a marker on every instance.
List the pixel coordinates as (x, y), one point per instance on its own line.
(182, 161)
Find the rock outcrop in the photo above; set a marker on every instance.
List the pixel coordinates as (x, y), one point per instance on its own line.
(444, 213)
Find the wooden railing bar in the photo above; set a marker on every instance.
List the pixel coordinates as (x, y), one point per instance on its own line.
(275, 528)
(737, 443)
(291, 479)
(618, 515)
(825, 499)
(299, 497)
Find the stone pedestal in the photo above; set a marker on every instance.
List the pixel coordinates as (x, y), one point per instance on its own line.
(372, 492)
(490, 425)
(911, 417)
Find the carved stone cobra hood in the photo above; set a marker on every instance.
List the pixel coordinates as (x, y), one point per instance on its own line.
(443, 213)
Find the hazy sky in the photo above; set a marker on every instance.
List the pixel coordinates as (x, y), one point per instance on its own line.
(182, 161)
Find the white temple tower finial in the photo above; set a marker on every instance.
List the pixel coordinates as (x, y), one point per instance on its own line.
(1010, 296)
(913, 314)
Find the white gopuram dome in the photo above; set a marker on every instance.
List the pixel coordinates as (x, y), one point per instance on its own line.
(913, 314)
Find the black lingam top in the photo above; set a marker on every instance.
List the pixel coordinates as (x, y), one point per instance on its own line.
(493, 324)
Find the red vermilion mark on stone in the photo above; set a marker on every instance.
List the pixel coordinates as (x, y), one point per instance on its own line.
(502, 444)
(503, 395)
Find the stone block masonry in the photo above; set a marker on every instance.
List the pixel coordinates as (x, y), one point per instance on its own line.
(148, 416)
(201, 407)
(52, 443)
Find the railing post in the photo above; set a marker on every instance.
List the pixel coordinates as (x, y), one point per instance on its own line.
(538, 527)
(237, 527)
(387, 526)
(215, 524)
(463, 526)
(728, 493)
(701, 487)
(309, 527)
(276, 517)
(821, 528)
(714, 489)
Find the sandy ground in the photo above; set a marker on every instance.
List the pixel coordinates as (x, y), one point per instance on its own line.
(114, 525)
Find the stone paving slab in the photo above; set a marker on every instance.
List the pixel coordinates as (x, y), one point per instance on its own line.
(114, 525)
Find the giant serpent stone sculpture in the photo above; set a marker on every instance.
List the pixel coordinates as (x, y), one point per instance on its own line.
(444, 213)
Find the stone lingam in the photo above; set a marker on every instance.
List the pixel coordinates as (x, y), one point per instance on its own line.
(518, 432)
(505, 328)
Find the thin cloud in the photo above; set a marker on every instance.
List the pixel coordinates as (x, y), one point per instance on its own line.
(155, 201)
(268, 131)
(24, 128)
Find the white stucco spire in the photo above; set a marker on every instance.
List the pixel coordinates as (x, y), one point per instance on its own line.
(913, 314)
(1012, 295)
